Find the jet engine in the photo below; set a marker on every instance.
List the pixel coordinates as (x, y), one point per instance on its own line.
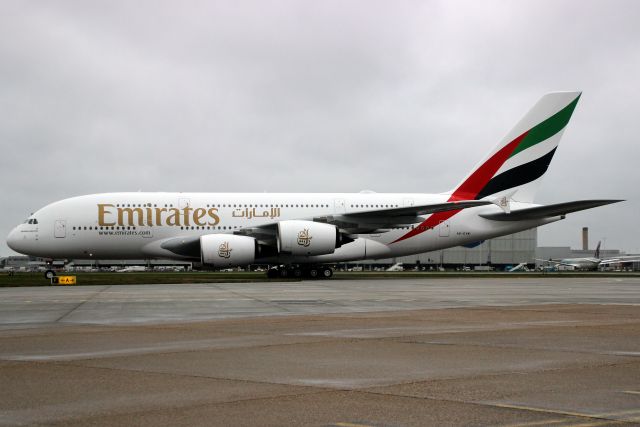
(226, 250)
(307, 238)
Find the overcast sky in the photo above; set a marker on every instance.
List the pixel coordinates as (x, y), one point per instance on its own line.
(314, 96)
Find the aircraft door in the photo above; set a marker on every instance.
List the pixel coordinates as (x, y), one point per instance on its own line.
(444, 228)
(339, 206)
(407, 202)
(60, 228)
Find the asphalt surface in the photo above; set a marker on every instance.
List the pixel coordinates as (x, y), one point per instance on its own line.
(516, 352)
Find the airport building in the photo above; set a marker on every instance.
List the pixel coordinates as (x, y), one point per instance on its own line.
(500, 253)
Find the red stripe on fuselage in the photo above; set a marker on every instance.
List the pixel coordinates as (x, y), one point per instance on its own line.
(469, 189)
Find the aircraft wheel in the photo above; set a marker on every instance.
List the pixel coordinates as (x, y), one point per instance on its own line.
(273, 273)
(49, 274)
(314, 273)
(327, 273)
(284, 273)
(296, 272)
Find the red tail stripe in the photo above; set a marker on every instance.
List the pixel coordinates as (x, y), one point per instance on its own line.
(470, 188)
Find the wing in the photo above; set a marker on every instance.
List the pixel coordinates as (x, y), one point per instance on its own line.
(547, 211)
(381, 220)
(362, 222)
(621, 260)
(370, 221)
(419, 210)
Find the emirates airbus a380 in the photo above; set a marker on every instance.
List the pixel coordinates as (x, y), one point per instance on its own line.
(304, 233)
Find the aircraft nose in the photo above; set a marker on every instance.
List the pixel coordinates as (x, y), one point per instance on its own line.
(13, 240)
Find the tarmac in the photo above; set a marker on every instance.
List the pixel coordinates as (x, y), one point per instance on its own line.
(410, 352)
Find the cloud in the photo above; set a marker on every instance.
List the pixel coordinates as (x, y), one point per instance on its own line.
(245, 96)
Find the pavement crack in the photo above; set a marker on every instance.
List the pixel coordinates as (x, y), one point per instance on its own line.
(513, 346)
(265, 302)
(59, 319)
(548, 411)
(206, 377)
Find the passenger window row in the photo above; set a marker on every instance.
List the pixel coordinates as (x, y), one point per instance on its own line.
(256, 205)
(229, 205)
(104, 228)
(208, 227)
(375, 206)
(267, 205)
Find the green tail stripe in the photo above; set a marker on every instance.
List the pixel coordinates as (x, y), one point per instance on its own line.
(548, 128)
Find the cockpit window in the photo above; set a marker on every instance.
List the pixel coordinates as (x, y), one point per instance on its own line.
(31, 221)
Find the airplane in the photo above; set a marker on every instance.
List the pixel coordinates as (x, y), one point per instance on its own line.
(592, 263)
(586, 263)
(304, 234)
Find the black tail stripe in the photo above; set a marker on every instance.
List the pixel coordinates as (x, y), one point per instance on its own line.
(517, 176)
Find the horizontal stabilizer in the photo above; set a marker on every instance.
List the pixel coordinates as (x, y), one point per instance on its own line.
(547, 211)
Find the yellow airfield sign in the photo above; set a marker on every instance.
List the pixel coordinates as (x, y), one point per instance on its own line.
(63, 280)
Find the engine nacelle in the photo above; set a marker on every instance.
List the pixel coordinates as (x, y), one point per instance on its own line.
(307, 238)
(227, 250)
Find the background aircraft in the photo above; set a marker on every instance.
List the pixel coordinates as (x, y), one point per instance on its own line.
(592, 263)
(585, 263)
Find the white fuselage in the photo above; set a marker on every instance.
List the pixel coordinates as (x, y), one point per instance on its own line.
(135, 225)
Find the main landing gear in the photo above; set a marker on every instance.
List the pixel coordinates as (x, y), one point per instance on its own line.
(300, 272)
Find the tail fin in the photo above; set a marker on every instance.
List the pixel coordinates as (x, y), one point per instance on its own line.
(597, 253)
(514, 167)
